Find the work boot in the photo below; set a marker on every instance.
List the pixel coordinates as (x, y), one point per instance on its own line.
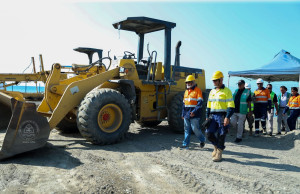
(238, 140)
(218, 156)
(264, 131)
(202, 144)
(215, 151)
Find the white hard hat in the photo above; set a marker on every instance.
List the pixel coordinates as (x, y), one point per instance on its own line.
(248, 86)
(260, 81)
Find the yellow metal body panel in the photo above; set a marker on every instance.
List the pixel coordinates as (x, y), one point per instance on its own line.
(59, 105)
(17, 95)
(59, 98)
(146, 96)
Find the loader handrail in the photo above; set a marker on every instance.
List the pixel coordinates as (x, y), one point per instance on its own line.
(98, 62)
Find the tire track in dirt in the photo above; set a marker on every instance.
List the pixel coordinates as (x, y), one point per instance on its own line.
(207, 171)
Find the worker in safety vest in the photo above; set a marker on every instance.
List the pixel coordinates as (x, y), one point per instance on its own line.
(294, 107)
(249, 116)
(191, 112)
(283, 99)
(262, 105)
(220, 107)
(242, 101)
(274, 103)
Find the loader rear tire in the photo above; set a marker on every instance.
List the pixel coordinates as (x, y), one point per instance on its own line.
(174, 113)
(104, 116)
(148, 123)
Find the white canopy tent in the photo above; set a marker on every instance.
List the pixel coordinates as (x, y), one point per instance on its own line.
(283, 67)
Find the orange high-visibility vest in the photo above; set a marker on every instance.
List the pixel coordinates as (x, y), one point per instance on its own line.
(262, 96)
(294, 102)
(191, 97)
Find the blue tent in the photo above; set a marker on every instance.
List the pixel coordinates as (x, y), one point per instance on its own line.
(283, 67)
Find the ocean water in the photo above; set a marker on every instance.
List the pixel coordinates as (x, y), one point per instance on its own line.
(232, 87)
(26, 89)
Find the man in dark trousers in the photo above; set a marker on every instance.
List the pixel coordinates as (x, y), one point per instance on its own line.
(262, 105)
(220, 107)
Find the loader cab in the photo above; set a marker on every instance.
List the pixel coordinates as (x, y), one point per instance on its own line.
(142, 26)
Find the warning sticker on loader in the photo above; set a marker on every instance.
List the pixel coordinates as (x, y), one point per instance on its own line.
(74, 90)
(28, 131)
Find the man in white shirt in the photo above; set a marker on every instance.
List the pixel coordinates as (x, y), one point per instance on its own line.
(283, 99)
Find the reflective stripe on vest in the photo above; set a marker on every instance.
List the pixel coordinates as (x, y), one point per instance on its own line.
(262, 96)
(272, 97)
(220, 100)
(294, 102)
(192, 96)
(243, 100)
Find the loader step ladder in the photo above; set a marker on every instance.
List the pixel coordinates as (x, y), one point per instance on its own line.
(157, 84)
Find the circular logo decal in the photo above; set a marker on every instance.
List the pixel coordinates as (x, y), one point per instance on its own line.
(29, 130)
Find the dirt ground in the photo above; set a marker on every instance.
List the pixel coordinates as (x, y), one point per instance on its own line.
(149, 161)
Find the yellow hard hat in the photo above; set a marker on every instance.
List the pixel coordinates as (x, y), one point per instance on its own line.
(217, 75)
(190, 78)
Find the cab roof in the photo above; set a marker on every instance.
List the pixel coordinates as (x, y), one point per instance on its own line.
(143, 25)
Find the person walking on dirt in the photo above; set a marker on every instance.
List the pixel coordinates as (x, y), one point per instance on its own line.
(262, 105)
(220, 107)
(242, 102)
(283, 99)
(274, 104)
(249, 116)
(294, 107)
(191, 112)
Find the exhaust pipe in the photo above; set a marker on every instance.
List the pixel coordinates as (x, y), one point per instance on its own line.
(27, 129)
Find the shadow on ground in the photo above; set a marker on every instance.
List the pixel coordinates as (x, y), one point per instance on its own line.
(50, 156)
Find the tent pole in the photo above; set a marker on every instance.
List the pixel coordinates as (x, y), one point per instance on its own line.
(229, 79)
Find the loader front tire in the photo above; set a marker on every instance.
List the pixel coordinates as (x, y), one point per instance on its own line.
(174, 113)
(67, 125)
(104, 116)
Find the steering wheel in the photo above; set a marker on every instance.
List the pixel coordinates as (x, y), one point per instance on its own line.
(128, 55)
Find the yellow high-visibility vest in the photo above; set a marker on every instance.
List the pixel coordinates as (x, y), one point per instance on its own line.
(219, 101)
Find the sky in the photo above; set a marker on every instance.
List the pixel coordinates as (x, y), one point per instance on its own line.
(215, 35)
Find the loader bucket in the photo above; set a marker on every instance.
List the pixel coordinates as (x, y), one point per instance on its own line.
(27, 129)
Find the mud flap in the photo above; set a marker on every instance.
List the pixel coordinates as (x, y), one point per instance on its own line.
(27, 129)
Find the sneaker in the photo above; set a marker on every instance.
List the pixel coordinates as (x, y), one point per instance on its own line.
(270, 133)
(279, 133)
(237, 140)
(184, 147)
(202, 144)
(256, 134)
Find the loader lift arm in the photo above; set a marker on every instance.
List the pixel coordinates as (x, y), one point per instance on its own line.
(28, 129)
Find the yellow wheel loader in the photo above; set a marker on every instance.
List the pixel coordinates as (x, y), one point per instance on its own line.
(104, 101)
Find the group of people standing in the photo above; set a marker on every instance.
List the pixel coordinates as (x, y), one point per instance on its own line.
(223, 108)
